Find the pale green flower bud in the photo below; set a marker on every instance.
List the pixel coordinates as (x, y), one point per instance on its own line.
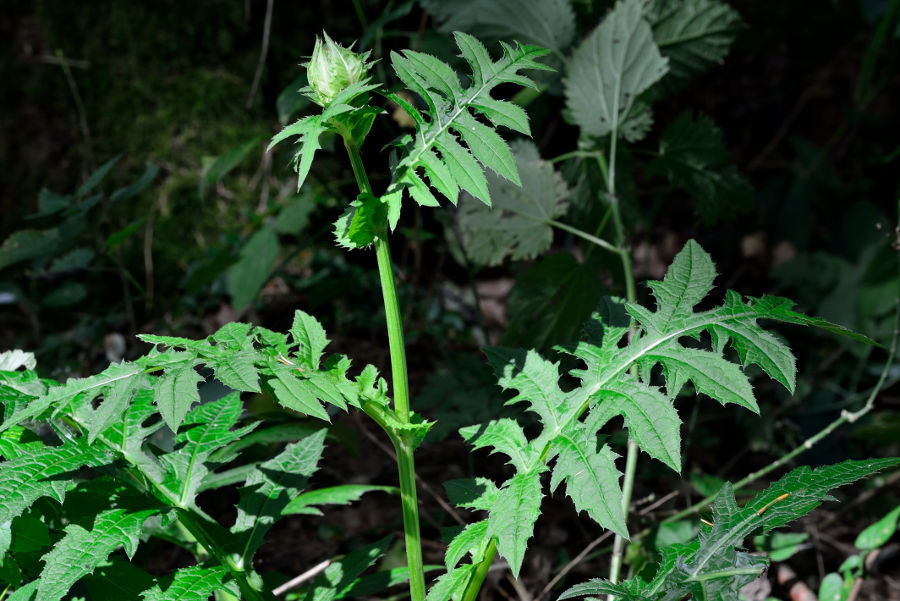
(332, 68)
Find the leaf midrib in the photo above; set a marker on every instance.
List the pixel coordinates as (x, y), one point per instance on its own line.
(435, 134)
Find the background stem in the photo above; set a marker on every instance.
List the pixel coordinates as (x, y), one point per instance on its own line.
(615, 566)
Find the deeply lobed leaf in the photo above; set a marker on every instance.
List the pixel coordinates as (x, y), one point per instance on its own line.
(713, 566)
(615, 381)
(452, 147)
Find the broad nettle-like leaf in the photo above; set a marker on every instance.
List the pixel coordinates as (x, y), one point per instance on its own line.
(615, 381)
(253, 269)
(693, 34)
(692, 154)
(614, 65)
(714, 565)
(553, 298)
(519, 223)
(546, 23)
(456, 138)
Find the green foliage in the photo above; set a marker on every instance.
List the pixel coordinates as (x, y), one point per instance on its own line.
(340, 113)
(608, 72)
(109, 461)
(692, 153)
(219, 167)
(878, 533)
(62, 250)
(552, 299)
(101, 429)
(253, 268)
(615, 380)
(549, 24)
(436, 150)
(518, 222)
(693, 34)
(713, 566)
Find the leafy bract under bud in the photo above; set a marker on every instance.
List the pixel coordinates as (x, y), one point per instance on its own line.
(333, 68)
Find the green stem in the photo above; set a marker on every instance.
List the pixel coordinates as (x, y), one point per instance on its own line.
(615, 566)
(474, 586)
(404, 448)
(585, 236)
(410, 505)
(395, 329)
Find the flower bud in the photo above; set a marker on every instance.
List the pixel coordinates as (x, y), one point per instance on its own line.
(332, 68)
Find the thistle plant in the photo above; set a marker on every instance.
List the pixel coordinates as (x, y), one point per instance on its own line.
(333, 68)
(96, 463)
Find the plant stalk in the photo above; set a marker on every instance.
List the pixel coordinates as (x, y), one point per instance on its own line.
(615, 566)
(400, 384)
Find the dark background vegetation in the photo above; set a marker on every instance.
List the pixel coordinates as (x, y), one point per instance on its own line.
(808, 115)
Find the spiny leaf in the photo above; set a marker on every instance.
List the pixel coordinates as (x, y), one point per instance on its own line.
(631, 590)
(25, 479)
(611, 67)
(84, 389)
(592, 480)
(451, 584)
(291, 391)
(472, 540)
(310, 128)
(269, 489)
(649, 416)
(195, 583)
(505, 436)
(341, 576)
(610, 386)
(511, 522)
(310, 337)
(236, 370)
(80, 550)
(206, 428)
(436, 149)
(713, 566)
(175, 392)
(472, 493)
(14, 359)
(343, 494)
(518, 224)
